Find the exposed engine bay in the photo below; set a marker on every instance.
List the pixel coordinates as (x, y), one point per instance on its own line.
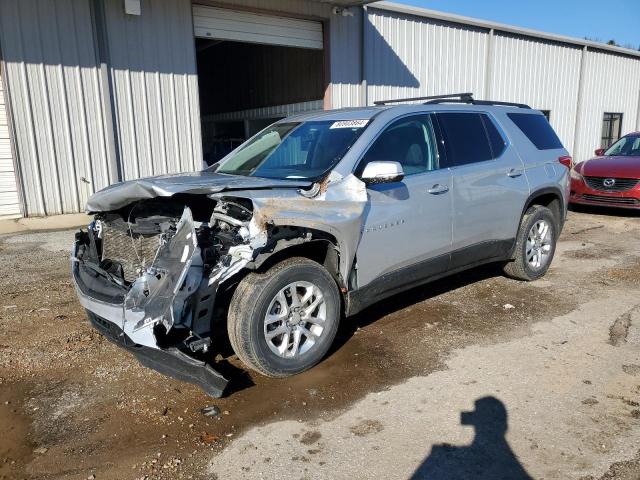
(166, 259)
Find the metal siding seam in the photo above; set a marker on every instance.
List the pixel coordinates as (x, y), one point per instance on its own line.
(84, 124)
(176, 143)
(68, 136)
(28, 148)
(147, 130)
(54, 180)
(30, 127)
(189, 132)
(160, 106)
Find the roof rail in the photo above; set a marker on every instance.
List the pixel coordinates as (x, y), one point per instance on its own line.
(479, 102)
(452, 96)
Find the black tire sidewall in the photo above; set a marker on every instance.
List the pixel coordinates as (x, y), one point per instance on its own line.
(539, 213)
(310, 272)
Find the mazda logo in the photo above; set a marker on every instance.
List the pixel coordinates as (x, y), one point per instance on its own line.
(609, 182)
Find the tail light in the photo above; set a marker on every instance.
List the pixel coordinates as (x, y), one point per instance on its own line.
(566, 160)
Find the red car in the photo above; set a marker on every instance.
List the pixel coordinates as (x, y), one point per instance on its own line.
(612, 178)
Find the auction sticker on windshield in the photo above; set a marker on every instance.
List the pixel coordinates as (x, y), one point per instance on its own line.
(349, 124)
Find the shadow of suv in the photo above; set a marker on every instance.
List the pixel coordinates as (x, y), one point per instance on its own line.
(313, 219)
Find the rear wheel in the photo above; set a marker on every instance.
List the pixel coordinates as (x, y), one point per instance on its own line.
(283, 322)
(535, 245)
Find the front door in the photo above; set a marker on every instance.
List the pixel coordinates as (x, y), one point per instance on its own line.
(407, 228)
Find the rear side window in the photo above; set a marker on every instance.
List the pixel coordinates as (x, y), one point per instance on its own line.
(469, 138)
(537, 129)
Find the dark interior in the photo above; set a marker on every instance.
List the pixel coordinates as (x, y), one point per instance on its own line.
(236, 76)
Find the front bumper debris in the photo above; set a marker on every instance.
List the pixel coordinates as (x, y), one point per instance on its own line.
(171, 362)
(154, 304)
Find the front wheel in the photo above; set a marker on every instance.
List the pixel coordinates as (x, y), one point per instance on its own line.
(535, 245)
(283, 322)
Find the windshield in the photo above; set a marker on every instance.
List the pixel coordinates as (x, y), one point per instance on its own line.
(625, 147)
(294, 150)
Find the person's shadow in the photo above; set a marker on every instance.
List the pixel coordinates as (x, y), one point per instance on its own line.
(489, 455)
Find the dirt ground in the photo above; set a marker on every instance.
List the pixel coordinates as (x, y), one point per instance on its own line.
(561, 355)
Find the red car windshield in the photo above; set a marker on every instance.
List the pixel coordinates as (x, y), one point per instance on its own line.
(625, 147)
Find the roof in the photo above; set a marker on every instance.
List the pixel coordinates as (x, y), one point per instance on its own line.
(501, 27)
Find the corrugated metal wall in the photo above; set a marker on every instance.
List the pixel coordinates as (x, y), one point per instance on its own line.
(542, 74)
(346, 46)
(56, 101)
(155, 87)
(408, 56)
(9, 201)
(611, 84)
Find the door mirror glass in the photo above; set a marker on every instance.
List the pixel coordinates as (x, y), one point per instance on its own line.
(382, 172)
(599, 152)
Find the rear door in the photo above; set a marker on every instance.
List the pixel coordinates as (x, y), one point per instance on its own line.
(489, 186)
(407, 227)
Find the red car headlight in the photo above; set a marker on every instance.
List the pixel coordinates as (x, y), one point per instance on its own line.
(576, 176)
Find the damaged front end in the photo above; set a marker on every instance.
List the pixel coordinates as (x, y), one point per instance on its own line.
(148, 275)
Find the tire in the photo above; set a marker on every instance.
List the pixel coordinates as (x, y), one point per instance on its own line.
(258, 295)
(521, 268)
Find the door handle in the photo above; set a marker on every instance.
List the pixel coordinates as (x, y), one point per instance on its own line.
(514, 172)
(437, 189)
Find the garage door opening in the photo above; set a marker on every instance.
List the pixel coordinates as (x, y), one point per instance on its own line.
(246, 85)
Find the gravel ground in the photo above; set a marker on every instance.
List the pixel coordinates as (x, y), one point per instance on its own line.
(551, 370)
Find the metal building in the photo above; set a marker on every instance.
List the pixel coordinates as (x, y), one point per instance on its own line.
(98, 91)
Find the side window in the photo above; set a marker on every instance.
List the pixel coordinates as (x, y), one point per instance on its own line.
(611, 129)
(537, 129)
(469, 138)
(408, 141)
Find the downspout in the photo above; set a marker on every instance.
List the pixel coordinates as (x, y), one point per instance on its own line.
(364, 100)
(114, 160)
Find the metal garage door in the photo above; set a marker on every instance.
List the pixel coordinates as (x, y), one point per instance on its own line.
(224, 24)
(9, 203)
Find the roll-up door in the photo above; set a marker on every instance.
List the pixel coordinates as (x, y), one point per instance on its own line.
(224, 24)
(9, 202)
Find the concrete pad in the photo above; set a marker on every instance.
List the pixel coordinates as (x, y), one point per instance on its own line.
(36, 224)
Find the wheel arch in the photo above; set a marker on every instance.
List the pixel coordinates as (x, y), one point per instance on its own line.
(287, 241)
(552, 198)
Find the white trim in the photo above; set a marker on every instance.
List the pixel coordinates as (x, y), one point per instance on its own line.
(241, 26)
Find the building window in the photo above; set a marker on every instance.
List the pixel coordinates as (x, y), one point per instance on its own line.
(611, 129)
(547, 114)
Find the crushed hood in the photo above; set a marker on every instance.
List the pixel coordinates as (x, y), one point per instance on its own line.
(121, 194)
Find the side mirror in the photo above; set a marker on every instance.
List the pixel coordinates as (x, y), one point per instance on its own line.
(382, 172)
(600, 152)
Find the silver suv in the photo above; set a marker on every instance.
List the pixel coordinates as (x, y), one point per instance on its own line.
(310, 221)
